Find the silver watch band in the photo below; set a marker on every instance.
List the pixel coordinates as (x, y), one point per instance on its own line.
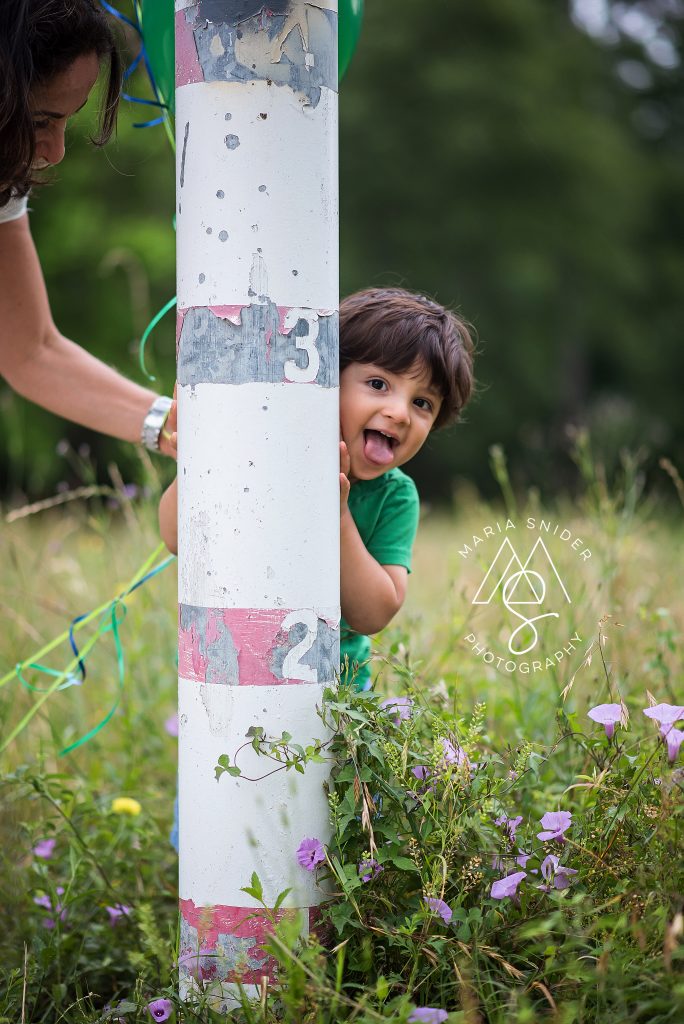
(154, 421)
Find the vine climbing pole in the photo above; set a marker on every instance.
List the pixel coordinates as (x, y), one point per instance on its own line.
(258, 464)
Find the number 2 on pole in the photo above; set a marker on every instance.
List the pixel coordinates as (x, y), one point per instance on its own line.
(292, 667)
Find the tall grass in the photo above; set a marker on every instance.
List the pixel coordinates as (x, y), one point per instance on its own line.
(606, 949)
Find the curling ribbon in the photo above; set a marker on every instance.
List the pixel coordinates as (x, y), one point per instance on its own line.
(109, 622)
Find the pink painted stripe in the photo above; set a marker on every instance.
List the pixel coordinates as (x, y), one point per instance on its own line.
(188, 69)
(204, 933)
(255, 633)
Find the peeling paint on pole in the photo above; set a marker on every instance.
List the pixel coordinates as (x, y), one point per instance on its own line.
(241, 344)
(257, 344)
(295, 46)
(255, 646)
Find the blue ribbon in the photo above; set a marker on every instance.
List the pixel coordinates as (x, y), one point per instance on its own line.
(116, 608)
(140, 56)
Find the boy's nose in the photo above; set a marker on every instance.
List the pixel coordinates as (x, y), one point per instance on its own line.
(398, 411)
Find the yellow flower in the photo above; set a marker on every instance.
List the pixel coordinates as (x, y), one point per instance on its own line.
(126, 805)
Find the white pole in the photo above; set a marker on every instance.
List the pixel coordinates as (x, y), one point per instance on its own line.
(257, 236)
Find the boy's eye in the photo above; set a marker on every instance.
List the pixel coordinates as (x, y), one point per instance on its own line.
(376, 383)
(426, 404)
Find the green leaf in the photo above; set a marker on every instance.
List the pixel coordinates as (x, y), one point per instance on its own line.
(281, 896)
(403, 863)
(342, 915)
(255, 889)
(222, 766)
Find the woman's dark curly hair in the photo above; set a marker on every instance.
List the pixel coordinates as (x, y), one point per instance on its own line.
(38, 40)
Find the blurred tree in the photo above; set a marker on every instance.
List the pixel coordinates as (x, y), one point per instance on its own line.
(490, 156)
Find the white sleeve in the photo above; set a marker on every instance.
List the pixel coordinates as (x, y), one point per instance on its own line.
(14, 209)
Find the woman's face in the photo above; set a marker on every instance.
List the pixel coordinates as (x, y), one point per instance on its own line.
(53, 103)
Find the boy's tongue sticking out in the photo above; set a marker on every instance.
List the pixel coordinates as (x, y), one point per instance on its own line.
(377, 447)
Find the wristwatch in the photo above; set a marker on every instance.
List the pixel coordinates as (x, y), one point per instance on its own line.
(154, 421)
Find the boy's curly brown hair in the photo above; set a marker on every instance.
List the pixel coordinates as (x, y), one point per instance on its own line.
(395, 328)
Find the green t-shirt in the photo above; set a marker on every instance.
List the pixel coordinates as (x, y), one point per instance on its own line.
(386, 512)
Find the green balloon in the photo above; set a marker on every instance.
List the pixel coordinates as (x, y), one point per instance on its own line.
(157, 18)
(158, 25)
(350, 18)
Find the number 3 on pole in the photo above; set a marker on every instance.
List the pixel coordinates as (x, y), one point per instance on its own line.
(306, 342)
(292, 667)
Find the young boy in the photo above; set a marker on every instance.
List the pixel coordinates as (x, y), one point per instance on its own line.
(406, 368)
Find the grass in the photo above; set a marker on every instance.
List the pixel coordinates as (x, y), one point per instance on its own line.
(606, 949)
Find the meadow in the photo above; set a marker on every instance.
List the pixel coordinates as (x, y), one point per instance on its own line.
(425, 795)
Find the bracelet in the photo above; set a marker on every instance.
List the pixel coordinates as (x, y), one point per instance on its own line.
(154, 421)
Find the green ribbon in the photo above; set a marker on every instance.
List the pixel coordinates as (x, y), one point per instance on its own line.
(148, 330)
(71, 680)
(108, 623)
(112, 626)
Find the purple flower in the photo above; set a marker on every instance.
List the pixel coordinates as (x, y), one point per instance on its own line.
(117, 912)
(369, 869)
(607, 715)
(427, 1015)
(559, 874)
(310, 852)
(171, 725)
(402, 706)
(57, 909)
(160, 1009)
(674, 739)
(439, 907)
(454, 754)
(665, 714)
(130, 491)
(507, 886)
(555, 823)
(423, 774)
(500, 863)
(509, 824)
(44, 848)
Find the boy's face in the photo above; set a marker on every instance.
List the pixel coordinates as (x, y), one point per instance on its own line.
(375, 402)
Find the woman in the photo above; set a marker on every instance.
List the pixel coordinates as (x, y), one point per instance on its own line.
(51, 53)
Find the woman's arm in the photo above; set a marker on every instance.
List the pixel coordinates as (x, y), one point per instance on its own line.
(44, 366)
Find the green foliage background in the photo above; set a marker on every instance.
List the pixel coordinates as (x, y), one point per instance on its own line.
(492, 155)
